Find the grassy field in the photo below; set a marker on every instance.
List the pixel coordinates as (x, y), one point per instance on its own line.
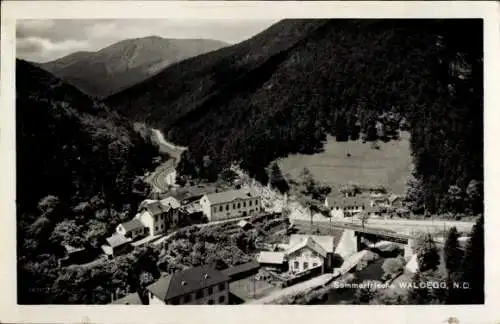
(388, 166)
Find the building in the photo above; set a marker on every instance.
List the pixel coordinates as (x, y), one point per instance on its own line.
(132, 229)
(231, 204)
(275, 261)
(374, 211)
(117, 244)
(395, 201)
(345, 206)
(195, 286)
(307, 252)
(244, 225)
(157, 216)
(130, 299)
(242, 271)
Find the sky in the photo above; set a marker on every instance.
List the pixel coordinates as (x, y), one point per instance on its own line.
(46, 40)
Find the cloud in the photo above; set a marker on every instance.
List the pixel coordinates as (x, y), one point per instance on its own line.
(42, 40)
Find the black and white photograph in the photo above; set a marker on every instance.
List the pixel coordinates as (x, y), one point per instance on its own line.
(256, 161)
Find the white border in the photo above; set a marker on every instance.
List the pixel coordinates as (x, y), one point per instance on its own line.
(12, 10)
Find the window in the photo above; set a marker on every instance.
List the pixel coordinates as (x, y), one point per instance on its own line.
(234, 206)
(250, 203)
(220, 208)
(199, 294)
(227, 207)
(296, 264)
(222, 287)
(210, 290)
(244, 204)
(306, 265)
(239, 205)
(221, 299)
(187, 299)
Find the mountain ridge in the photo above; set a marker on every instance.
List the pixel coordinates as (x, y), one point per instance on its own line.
(125, 63)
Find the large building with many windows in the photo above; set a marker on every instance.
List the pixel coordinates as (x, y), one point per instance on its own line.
(231, 204)
(196, 286)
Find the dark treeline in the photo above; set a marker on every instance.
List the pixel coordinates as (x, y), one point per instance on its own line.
(79, 170)
(285, 89)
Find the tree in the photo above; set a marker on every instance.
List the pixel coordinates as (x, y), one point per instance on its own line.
(473, 266)
(455, 199)
(427, 253)
(414, 197)
(367, 291)
(430, 288)
(474, 196)
(452, 252)
(392, 266)
(364, 218)
(49, 206)
(277, 180)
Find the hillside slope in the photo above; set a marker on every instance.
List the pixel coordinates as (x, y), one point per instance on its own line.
(283, 90)
(125, 63)
(79, 169)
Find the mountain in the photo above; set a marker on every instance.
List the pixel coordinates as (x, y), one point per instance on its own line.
(125, 63)
(79, 170)
(283, 90)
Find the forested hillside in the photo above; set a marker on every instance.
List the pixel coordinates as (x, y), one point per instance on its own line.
(125, 63)
(79, 170)
(283, 90)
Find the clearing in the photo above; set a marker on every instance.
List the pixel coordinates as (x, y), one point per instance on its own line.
(390, 165)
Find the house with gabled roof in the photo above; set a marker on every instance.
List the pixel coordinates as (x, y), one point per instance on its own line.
(195, 286)
(231, 204)
(133, 229)
(306, 252)
(117, 244)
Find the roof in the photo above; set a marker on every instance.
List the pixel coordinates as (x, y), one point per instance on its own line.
(170, 202)
(131, 299)
(345, 201)
(116, 240)
(392, 198)
(157, 208)
(186, 281)
(230, 195)
(242, 223)
(307, 242)
(325, 241)
(146, 202)
(249, 266)
(71, 249)
(132, 224)
(271, 257)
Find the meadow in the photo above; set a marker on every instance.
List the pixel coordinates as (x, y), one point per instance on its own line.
(355, 162)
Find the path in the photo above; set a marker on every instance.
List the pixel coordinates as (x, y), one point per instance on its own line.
(295, 289)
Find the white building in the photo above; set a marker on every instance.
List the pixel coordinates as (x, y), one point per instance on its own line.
(231, 204)
(306, 252)
(154, 218)
(345, 206)
(196, 286)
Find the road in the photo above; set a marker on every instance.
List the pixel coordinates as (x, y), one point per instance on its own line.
(406, 226)
(167, 169)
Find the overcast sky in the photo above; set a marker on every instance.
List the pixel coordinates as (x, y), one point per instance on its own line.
(46, 40)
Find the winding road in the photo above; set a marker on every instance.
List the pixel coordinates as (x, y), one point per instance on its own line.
(167, 169)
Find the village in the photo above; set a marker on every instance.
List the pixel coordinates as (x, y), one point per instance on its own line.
(277, 248)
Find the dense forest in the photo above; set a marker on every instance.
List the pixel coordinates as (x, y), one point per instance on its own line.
(79, 169)
(285, 89)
